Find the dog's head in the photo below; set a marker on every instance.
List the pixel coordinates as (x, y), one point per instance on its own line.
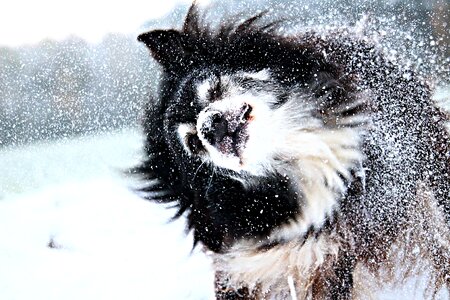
(240, 97)
(248, 104)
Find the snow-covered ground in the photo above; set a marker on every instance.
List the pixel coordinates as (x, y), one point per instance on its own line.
(71, 229)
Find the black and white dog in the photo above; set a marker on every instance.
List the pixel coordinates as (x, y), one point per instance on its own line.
(307, 165)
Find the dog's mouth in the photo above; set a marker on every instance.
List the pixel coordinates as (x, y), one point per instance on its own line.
(226, 131)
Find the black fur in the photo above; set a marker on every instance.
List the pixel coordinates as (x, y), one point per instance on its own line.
(209, 197)
(221, 210)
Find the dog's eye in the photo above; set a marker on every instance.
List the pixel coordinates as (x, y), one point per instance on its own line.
(194, 144)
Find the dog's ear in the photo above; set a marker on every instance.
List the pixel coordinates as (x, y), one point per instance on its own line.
(165, 46)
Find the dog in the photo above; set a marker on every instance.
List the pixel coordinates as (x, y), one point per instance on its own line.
(308, 166)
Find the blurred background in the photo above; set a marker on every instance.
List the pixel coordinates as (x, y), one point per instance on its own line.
(69, 69)
(73, 80)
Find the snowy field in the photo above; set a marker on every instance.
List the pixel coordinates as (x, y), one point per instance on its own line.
(70, 228)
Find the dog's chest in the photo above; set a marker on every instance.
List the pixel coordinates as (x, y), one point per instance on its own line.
(278, 272)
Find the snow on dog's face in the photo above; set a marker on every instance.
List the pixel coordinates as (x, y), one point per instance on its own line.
(239, 126)
(260, 111)
(250, 123)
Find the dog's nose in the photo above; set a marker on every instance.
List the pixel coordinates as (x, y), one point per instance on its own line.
(215, 129)
(218, 127)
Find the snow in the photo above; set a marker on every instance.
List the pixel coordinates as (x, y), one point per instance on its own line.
(71, 228)
(84, 234)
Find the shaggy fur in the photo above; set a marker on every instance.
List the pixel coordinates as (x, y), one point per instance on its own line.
(305, 164)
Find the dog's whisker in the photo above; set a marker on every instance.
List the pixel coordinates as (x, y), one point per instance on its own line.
(196, 171)
(210, 179)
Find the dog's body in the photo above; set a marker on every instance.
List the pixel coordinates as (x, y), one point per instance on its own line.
(305, 164)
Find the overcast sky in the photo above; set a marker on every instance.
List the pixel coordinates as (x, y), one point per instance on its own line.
(29, 21)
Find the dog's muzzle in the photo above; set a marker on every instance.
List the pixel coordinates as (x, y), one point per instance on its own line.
(226, 131)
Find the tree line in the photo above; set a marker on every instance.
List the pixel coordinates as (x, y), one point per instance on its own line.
(64, 88)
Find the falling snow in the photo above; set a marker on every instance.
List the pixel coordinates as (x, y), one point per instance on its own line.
(69, 113)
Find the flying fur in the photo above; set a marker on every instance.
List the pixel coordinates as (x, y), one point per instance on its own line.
(305, 157)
